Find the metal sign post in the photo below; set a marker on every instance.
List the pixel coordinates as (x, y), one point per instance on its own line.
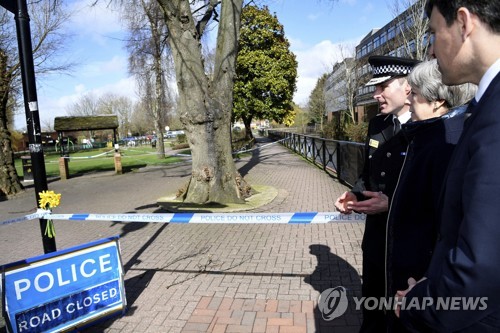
(20, 10)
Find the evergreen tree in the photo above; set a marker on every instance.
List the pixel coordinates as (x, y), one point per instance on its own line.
(317, 103)
(266, 69)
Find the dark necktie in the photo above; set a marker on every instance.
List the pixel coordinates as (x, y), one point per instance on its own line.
(470, 108)
(397, 125)
(472, 105)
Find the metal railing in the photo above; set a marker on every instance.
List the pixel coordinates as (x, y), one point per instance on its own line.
(342, 159)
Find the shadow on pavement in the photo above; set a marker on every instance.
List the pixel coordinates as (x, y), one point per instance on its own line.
(333, 271)
(134, 286)
(257, 157)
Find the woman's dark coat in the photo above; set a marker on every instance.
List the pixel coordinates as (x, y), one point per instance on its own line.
(412, 223)
(412, 220)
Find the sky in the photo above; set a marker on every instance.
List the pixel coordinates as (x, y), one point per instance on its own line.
(316, 29)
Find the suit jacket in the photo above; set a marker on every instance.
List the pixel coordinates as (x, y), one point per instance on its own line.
(466, 259)
(384, 156)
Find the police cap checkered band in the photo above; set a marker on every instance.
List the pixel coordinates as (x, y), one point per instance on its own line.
(385, 68)
(392, 70)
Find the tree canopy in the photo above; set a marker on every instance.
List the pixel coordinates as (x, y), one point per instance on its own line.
(317, 104)
(266, 70)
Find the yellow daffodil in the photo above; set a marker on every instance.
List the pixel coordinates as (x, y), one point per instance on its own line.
(49, 200)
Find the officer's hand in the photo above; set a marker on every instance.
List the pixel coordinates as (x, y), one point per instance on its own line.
(344, 200)
(378, 202)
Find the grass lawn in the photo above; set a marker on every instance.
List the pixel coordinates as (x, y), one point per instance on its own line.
(94, 160)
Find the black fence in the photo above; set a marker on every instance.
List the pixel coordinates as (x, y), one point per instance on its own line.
(342, 159)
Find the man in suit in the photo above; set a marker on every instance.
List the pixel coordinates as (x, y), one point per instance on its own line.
(384, 155)
(465, 265)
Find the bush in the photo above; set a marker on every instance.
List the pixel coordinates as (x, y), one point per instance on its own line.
(181, 138)
(333, 130)
(357, 132)
(180, 146)
(238, 134)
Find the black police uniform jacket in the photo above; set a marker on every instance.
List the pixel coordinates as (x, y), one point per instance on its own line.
(412, 221)
(384, 155)
(466, 259)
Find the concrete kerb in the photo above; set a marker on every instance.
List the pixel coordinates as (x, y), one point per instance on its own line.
(263, 196)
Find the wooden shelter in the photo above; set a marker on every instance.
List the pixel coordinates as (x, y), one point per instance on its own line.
(85, 123)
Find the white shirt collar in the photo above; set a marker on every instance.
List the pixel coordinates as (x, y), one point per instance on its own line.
(487, 78)
(403, 119)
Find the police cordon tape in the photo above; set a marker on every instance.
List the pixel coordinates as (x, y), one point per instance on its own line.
(40, 213)
(208, 218)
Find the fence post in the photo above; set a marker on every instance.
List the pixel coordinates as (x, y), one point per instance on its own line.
(63, 168)
(305, 147)
(301, 144)
(339, 160)
(324, 154)
(118, 163)
(313, 149)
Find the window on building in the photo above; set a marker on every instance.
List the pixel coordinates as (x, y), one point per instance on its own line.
(412, 46)
(400, 27)
(366, 90)
(409, 22)
(376, 42)
(391, 33)
(399, 51)
(383, 38)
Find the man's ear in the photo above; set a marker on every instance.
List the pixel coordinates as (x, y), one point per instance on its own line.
(465, 22)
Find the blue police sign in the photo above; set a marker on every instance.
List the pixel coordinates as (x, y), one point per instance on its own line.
(64, 290)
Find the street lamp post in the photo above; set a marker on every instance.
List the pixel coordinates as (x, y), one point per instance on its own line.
(20, 11)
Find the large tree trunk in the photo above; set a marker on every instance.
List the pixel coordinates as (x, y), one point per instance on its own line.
(9, 181)
(205, 103)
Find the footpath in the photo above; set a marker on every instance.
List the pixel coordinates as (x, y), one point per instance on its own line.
(209, 277)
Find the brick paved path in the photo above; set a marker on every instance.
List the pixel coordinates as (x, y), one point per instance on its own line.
(210, 278)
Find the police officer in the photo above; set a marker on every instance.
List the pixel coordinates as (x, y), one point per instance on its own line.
(372, 192)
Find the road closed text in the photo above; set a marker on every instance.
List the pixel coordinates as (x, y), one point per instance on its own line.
(51, 315)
